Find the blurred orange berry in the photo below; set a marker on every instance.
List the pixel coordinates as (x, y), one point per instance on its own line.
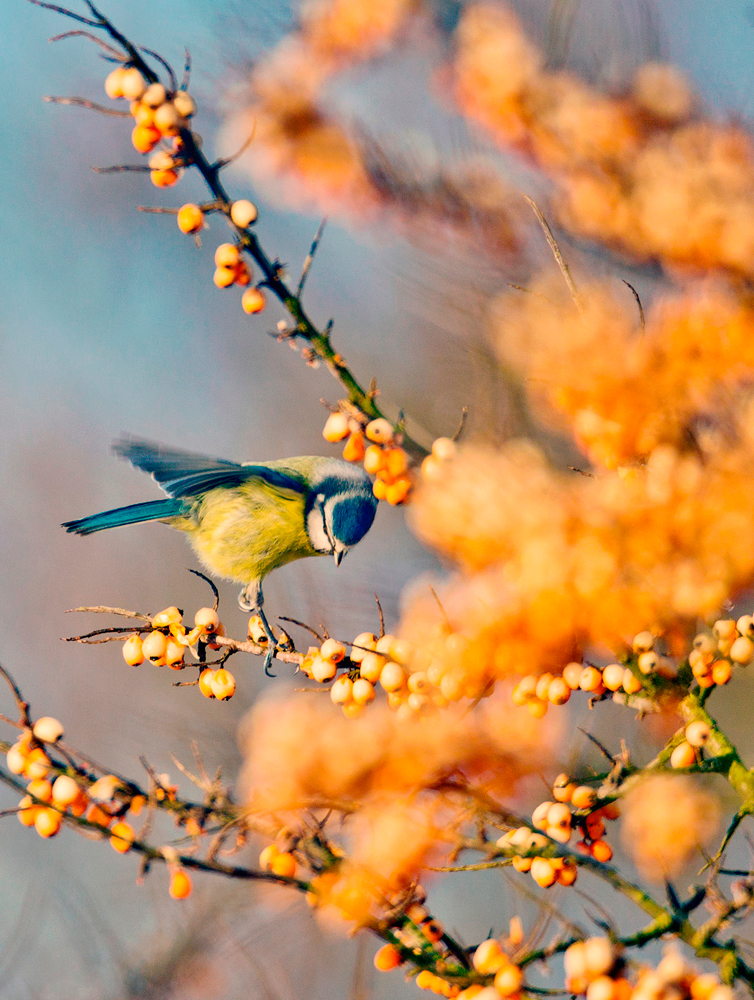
(584, 797)
(371, 667)
(266, 857)
(243, 213)
(65, 790)
(398, 491)
(354, 448)
(395, 463)
(283, 864)
(27, 811)
(132, 84)
(17, 758)
(122, 837)
(37, 764)
(227, 255)
(374, 459)
(205, 682)
(40, 788)
(722, 671)
(114, 82)
(572, 675)
(601, 851)
(132, 651)
(684, 755)
(432, 930)
(253, 301)
(168, 119)
(98, 814)
(224, 277)
(392, 676)
(362, 691)
(190, 218)
(612, 676)
(47, 729)
(144, 138)
(243, 275)
(154, 95)
(631, 683)
(379, 488)
(180, 884)
(336, 427)
(543, 872)
(342, 690)
(47, 822)
(568, 874)
(184, 104)
(489, 957)
(508, 980)
(143, 114)
(387, 958)
(164, 178)
(380, 431)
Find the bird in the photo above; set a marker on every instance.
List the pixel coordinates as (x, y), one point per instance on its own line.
(244, 520)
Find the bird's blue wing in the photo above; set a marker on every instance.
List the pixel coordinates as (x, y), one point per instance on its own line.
(185, 473)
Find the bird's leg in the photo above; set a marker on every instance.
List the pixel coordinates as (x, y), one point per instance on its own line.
(251, 599)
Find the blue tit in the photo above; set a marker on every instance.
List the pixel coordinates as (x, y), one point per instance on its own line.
(245, 520)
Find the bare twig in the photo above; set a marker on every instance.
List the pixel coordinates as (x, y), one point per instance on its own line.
(310, 257)
(66, 13)
(642, 320)
(82, 102)
(564, 270)
(92, 38)
(211, 585)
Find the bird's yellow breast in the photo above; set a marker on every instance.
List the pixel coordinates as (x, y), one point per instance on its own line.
(245, 532)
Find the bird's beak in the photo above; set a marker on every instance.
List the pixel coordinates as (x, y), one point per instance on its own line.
(338, 556)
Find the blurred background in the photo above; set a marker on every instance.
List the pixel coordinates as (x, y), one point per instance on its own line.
(109, 322)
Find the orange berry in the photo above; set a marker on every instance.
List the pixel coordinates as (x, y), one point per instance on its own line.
(266, 857)
(643, 642)
(332, 650)
(612, 676)
(224, 277)
(283, 864)
(558, 692)
(40, 789)
(379, 488)
(143, 114)
(489, 957)
(323, 670)
(336, 427)
(190, 218)
(122, 837)
(37, 764)
(227, 255)
(144, 138)
(27, 811)
(392, 676)
(154, 647)
(537, 708)
(114, 82)
(243, 274)
(371, 666)
(17, 758)
(47, 729)
(97, 814)
(380, 431)
(432, 930)
(398, 491)
(184, 104)
(352, 709)
(154, 95)
(722, 671)
(253, 301)
(684, 755)
(342, 690)
(568, 874)
(362, 691)
(168, 119)
(508, 980)
(387, 958)
(543, 872)
(207, 619)
(354, 449)
(47, 822)
(180, 884)
(132, 651)
(395, 463)
(174, 654)
(132, 84)
(374, 459)
(584, 797)
(601, 851)
(591, 679)
(563, 788)
(697, 733)
(168, 616)
(223, 684)
(364, 643)
(65, 790)
(572, 675)
(205, 682)
(164, 178)
(631, 683)
(243, 213)
(79, 805)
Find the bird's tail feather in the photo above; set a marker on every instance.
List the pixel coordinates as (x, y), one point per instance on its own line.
(153, 510)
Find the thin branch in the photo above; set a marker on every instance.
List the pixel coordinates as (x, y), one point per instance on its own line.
(211, 584)
(82, 102)
(92, 38)
(21, 704)
(310, 257)
(125, 168)
(157, 210)
(564, 270)
(382, 616)
(66, 13)
(224, 161)
(642, 319)
(166, 66)
(186, 70)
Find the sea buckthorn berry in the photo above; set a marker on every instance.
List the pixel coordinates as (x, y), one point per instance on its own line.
(697, 733)
(745, 625)
(379, 488)
(558, 815)
(227, 255)
(17, 758)
(164, 178)
(283, 864)
(114, 82)
(371, 666)
(122, 837)
(190, 218)
(595, 826)
(65, 790)
(563, 788)
(132, 651)
(432, 930)
(342, 690)
(332, 650)
(266, 857)
(207, 619)
(508, 980)
(243, 274)
(144, 138)
(224, 277)
(612, 676)
(223, 684)
(362, 691)
(98, 814)
(385, 644)
(362, 644)
(599, 956)
(601, 851)
(162, 160)
(417, 913)
(380, 431)
(631, 683)
(142, 114)
(336, 427)
(243, 213)
(543, 684)
(168, 120)
(432, 469)
(253, 301)
(374, 459)
(154, 95)
(722, 671)
(648, 662)
(47, 729)
(683, 755)
(352, 709)
(392, 676)
(591, 679)
(543, 872)
(354, 447)
(205, 682)
(643, 642)
(584, 797)
(572, 675)
(443, 449)
(184, 104)
(174, 654)
(558, 692)
(489, 957)
(702, 986)
(323, 670)
(705, 644)
(724, 628)
(601, 988)
(539, 816)
(154, 647)
(37, 764)
(536, 708)
(132, 84)
(397, 492)
(27, 811)
(742, 650)
(395, 463)
(568, 874)
(40, 789)
(180, 884)
(387, 958)
(47, 822)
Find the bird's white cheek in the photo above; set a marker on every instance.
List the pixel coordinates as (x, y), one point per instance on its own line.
(315, 529)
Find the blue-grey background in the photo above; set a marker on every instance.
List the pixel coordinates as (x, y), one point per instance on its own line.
(109, 322)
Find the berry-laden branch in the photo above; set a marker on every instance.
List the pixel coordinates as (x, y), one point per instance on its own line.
(162, 114)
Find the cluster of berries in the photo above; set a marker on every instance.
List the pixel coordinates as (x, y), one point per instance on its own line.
(689, 751)
(573, 809)
(378, 446)
(52, 793)
(433, 466)
(538, 691)
(168, 640)
(596, 968)
(282, 863)
(372, 661)
(232, 269)
(713, 657)
(157, 115)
